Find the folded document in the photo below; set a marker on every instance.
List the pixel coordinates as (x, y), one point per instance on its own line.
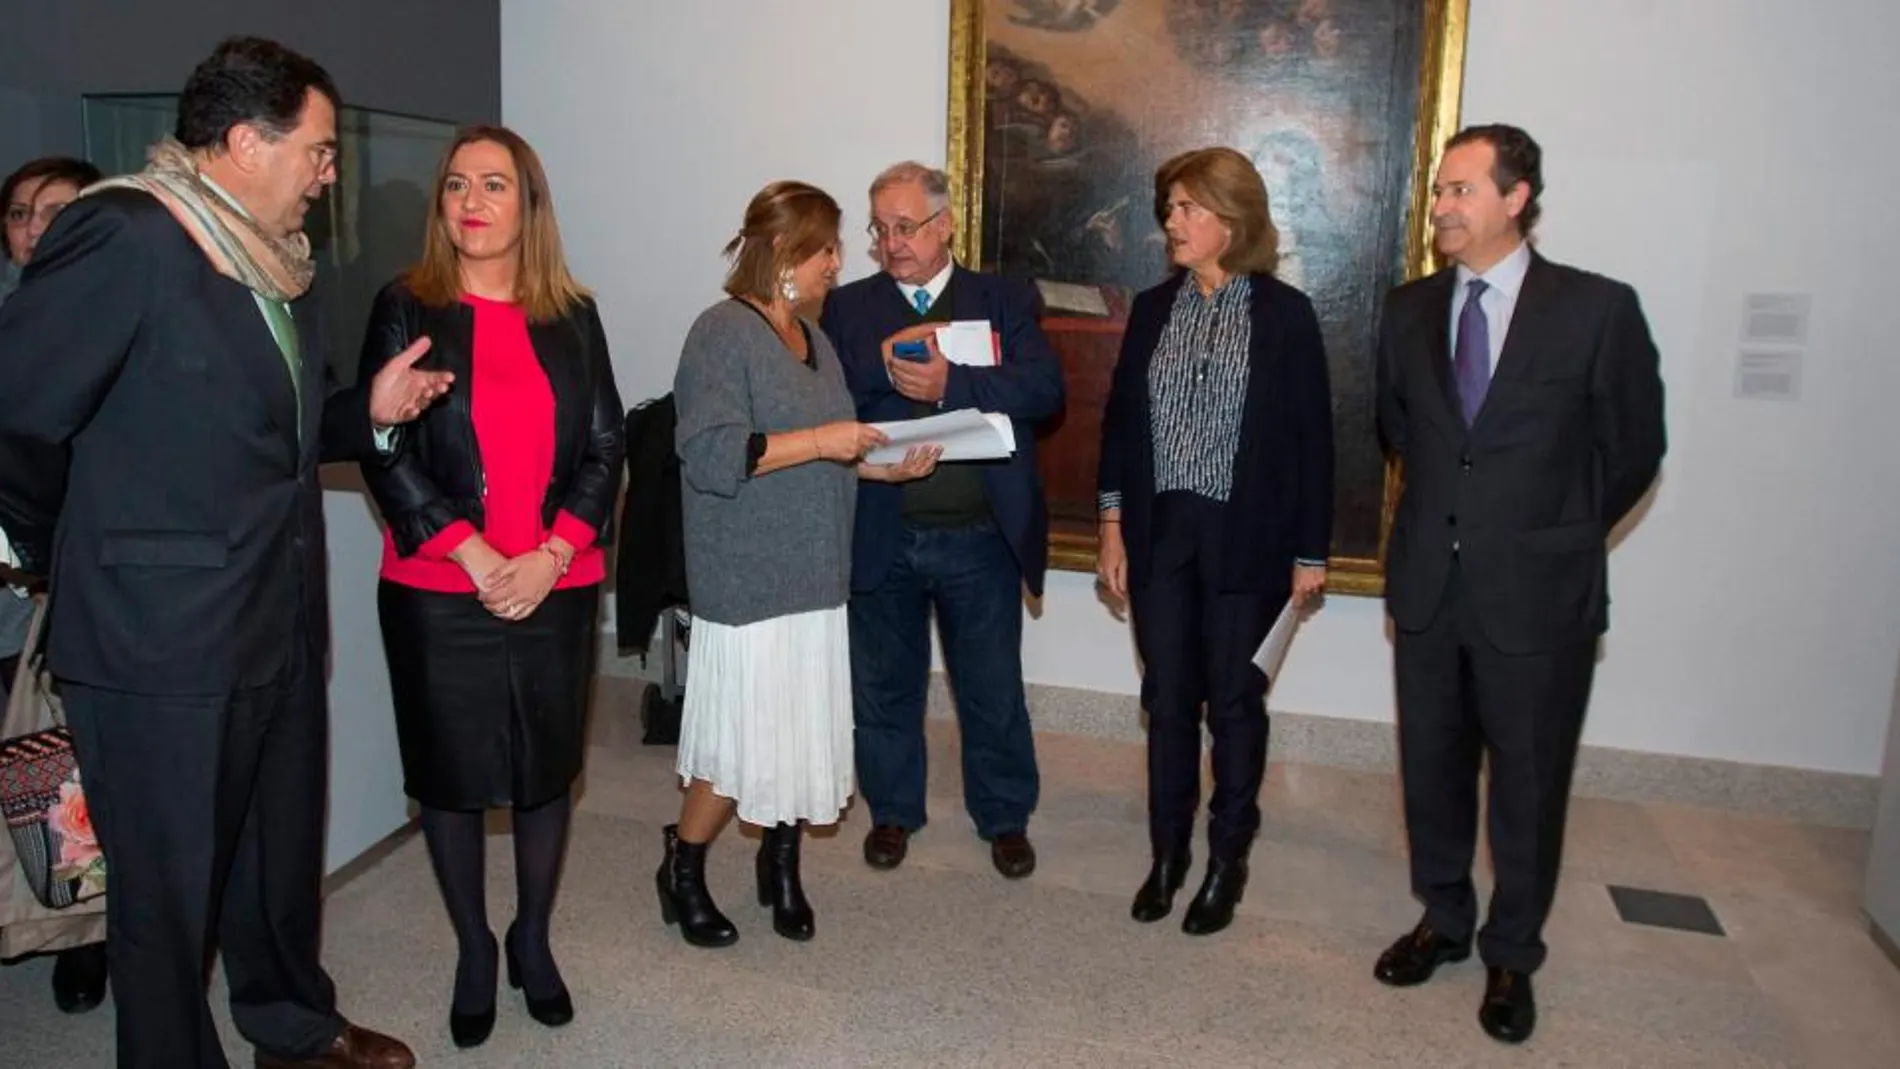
(965, 434)
(1272, 652)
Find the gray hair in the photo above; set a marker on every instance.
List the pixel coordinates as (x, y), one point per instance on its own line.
(936, 184)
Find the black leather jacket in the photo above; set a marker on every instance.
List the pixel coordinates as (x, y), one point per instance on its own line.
(436, 477)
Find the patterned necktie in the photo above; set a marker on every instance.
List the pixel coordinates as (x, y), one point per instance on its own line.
(1471, 360)
(922, 300)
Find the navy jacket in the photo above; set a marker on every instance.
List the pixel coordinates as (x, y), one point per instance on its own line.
(1281, 505)
(1026, 386)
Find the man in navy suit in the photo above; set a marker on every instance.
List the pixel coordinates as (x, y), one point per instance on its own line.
(964, 541)
(1525, 401)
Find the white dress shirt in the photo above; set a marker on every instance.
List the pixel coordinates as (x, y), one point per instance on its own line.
(934, 287)
(1499, 300)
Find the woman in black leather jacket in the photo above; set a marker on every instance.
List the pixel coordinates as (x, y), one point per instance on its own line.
(497, 505)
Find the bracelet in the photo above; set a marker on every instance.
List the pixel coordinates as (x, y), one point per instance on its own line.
(559, 558)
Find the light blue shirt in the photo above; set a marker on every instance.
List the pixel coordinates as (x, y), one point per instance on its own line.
(1499, 300)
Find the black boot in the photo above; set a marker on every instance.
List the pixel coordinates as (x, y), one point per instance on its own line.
(1155, 900)
(779, 884)
(1213, 908)
(684, 899)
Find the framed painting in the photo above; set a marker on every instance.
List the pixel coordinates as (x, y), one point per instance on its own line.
(1060, 112)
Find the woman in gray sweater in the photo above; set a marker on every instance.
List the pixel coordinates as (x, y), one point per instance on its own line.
(771, 451)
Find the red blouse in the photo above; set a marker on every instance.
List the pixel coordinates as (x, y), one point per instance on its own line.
(513, 410)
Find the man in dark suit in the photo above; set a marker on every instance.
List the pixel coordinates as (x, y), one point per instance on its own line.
(166, 411)
(1496, 572)
(964, 541)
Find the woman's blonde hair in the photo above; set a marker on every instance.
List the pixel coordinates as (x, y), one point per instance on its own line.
(785, 224)
(1225, 182)
(544, 287)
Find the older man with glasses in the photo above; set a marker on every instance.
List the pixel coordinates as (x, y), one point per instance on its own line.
(964, 541)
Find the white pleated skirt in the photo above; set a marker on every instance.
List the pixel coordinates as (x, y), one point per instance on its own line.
(767, 719)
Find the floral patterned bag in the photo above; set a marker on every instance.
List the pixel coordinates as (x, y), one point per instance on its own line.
(40, 794)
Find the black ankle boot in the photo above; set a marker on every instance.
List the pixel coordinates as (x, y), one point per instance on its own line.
(779, 883)
(1155, 900)
(1213, 908)
(684, 899)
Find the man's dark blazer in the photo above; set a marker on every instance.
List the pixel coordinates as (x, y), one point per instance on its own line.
(1280, 506)
(185, 542)
(1025, 386)
(1569, 439)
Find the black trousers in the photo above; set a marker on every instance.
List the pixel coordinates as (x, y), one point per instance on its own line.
(1197, 645)
(210, 811)
(1463, 702)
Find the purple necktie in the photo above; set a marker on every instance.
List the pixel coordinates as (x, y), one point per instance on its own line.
(1471, 360)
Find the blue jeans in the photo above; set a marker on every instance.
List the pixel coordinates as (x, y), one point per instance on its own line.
(970, 577)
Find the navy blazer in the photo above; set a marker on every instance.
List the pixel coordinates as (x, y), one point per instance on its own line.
(1280, 508)
(1026, 386)
(1568, 440)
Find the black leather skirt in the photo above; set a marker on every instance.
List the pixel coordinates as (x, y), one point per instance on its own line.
(489, 712)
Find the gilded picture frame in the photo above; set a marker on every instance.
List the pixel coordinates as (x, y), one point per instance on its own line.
(1060, 110)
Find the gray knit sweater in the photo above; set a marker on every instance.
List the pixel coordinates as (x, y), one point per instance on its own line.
(768, 545)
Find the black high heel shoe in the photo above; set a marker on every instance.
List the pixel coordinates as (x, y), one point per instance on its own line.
(555, 1010)
(472, 1029)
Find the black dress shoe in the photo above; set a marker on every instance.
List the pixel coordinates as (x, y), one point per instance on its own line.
(79, 978)
(1213, 908)
(1417, 954)
(886, 845)
(554, 1010)
(1155, 900)
(1509, 1011)
(1012, 854)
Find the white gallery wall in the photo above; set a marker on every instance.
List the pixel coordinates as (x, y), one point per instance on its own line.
(1699, 149)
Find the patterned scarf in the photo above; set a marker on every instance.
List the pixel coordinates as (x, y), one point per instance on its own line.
(279, 269)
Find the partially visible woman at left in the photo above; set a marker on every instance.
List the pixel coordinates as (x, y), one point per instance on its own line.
(33, 196)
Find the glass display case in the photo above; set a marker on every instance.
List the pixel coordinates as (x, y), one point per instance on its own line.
(366, 231)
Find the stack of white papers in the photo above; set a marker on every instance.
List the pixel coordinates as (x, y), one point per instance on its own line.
(965, 434)
(968, 342)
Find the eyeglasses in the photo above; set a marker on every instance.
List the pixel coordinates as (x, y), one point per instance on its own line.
(904, 229)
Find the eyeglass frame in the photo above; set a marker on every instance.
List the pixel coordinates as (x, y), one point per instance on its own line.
(905, 229)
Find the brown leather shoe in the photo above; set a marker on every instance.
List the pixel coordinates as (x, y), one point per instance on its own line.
(886, 845)
(354, 1048)
(1012, 855)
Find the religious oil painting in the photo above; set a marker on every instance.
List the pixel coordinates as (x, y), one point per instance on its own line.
(1060, 112)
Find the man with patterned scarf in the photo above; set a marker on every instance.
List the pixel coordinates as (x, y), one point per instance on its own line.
(166, 411)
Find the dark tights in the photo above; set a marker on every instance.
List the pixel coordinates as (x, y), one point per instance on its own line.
(456, 846)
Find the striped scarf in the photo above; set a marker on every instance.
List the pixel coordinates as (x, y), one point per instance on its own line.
(279, 269)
